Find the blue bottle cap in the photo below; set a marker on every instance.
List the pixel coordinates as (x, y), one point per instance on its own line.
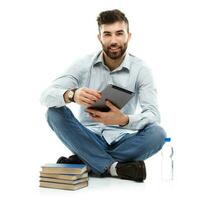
(167, 139)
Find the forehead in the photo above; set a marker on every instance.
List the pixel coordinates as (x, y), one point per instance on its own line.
(113, 27)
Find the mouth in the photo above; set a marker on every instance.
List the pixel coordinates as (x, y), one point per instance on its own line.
(114, 49)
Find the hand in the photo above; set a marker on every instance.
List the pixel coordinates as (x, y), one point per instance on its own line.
(86, 96)
(112, 117)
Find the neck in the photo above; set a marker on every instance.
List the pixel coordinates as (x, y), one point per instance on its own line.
(112, 63)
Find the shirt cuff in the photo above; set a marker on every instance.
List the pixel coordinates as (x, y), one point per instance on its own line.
(60, 97)
(131, 119)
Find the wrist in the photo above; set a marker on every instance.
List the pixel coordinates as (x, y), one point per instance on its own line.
(66, 96)
(125, 120)
(72, 97)
(69, 96)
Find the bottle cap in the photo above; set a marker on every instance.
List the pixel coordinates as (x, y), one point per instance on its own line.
(167, 139)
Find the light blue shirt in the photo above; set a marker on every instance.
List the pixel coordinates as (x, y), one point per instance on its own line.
(91, 72)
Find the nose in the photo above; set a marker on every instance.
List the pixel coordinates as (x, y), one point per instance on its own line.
(113, 40)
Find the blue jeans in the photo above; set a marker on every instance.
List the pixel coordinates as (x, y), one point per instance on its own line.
(94, 150)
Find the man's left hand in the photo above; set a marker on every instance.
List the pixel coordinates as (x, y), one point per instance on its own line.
(112, 117)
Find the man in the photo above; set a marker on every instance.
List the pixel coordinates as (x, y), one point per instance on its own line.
(112, 143)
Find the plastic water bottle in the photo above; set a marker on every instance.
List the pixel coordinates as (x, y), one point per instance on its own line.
(167, 161)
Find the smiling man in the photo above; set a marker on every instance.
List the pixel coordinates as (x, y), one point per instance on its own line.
(114, 40)
(113, 143)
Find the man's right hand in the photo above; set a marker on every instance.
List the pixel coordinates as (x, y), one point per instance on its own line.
(86, 96)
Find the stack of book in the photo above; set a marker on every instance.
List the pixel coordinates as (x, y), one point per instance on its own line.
(64, 176)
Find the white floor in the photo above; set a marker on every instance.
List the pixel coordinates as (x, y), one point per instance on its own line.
(22, 181)
(152, 188)
(106, 188)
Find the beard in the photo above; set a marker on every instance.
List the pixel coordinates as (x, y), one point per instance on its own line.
(115, 51)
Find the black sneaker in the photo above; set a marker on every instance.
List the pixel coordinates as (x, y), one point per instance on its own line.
(134, 170)
(74, 159)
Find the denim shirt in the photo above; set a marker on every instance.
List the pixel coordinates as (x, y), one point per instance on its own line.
(91, 72)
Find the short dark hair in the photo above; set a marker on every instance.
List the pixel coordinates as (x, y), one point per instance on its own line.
(112, 16)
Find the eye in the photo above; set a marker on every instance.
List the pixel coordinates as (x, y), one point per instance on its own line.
(120, 33)
(106, 34)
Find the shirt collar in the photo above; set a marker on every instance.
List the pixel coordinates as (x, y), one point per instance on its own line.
(125, 63)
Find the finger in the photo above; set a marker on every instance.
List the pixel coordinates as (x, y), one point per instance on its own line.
(95, 118)
(93, 92)
(87, 101)
(91, 97)
(111, 106)
(94, 112)
(93, 115)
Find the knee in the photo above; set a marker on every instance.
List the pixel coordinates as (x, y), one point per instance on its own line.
(158, 135)
(54, 115)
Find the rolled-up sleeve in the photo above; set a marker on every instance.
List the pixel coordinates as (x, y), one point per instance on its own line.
(148, 102)
(53, 95)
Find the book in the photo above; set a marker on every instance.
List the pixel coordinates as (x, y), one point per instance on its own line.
(64, 168)
(64, 176)
(63, 185)
(71, 177)
(55, 180)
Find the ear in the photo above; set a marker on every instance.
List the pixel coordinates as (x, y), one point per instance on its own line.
(129, 36)
(99, 37)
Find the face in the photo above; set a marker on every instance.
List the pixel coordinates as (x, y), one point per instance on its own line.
(114, 39)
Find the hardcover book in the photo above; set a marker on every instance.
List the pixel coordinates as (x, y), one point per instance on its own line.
(64, 168)
(63, 185)
(71, 177)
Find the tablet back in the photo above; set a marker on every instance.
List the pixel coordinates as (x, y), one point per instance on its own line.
(118, 96)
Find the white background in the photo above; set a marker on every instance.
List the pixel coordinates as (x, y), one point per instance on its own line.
(40, 39)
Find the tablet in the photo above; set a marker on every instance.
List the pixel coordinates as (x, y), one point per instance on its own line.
(116, 95)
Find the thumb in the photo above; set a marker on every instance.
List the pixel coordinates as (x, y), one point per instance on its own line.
(111, 106)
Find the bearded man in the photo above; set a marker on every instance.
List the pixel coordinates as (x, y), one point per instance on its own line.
(113, 143)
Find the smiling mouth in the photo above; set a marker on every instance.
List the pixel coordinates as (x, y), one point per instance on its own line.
(114, 49)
